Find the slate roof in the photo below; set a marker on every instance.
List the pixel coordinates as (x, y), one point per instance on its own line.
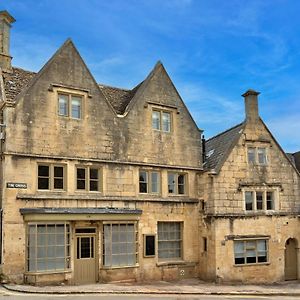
(218, 147)
(19, 79)
(15, 82)
(296, 159)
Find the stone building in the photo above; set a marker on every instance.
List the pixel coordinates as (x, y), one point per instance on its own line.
(104, 184)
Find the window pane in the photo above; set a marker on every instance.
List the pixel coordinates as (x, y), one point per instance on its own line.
(76, 107)
(143, 181)
(181, 183)
(154, 182)
(270, 201)
(166, 121)
(80, 178)
(251, 155)
(171, 183)
(262, 156)
(156, 120)
(58, 177)
(43, 177)
(63, 105)
(259, 200)
(94, 186)
(249, 200)
(93, 173)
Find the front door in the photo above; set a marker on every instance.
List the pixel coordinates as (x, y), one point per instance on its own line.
(85, 256)
(291, 263)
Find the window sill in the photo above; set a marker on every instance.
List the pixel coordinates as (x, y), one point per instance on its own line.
(120, 267)
(48, 272)
(252, 265)
(170, 263)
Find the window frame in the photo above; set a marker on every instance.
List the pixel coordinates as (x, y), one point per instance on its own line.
(70, 97)
(67, 233)
(264, 200)
(177, 184)
(161, 113)
(88, 179)
(248, 248)
(135, 243)
(174, 241)
(256, 158)
(149, 182)
(51, 177)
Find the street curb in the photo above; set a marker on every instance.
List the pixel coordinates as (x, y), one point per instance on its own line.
(233, 293)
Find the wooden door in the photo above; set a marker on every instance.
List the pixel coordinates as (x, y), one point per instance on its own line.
(291, 263)
(85, 264)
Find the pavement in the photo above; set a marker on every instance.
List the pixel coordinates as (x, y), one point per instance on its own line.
(182, 287)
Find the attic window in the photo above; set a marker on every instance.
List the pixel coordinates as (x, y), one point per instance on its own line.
(161, 120)
(210, 153)
(70, 106)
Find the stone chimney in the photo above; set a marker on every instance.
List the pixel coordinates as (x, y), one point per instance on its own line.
(251, 106)
(5, 23)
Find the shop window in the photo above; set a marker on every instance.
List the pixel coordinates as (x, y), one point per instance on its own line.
(250, 251)
(48, 247)
(120, 244)
(169, 241)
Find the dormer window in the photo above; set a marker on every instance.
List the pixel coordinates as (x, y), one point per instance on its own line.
(161, 120)
(70, 106)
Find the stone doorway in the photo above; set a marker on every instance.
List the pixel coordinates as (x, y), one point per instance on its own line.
(291, 259)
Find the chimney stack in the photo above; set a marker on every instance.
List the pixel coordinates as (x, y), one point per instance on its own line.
(5, 23)
(251, 106)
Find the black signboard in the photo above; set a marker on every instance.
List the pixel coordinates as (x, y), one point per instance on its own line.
(16, 185)
(149, 245)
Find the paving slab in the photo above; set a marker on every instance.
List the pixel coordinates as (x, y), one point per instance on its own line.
(183, 287)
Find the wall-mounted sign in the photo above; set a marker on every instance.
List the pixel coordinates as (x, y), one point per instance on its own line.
(16, 185)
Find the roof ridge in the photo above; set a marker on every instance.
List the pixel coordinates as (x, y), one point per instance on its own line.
(225, 131)
(114, 87)
(18, 68)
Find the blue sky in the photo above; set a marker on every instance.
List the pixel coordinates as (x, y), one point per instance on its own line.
(213, 51)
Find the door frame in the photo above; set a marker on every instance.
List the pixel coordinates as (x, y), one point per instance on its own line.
(296, 249)
(94, 234)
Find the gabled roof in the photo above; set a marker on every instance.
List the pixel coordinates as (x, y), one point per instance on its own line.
(15, 82)
(219, 147)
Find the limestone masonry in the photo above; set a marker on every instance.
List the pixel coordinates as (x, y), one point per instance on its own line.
(101, 184)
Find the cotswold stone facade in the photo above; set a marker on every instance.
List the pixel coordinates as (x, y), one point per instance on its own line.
(102, 184)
